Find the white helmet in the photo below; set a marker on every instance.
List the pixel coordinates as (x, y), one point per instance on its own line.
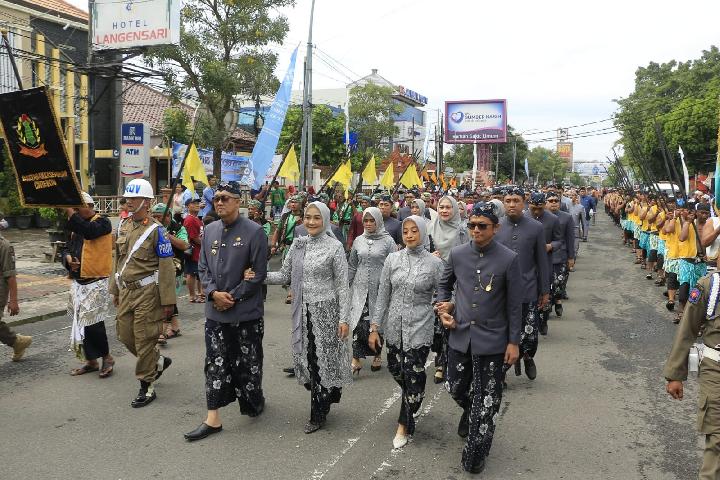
(138, 188)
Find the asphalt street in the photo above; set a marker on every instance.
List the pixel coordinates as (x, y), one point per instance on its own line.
(597, 410)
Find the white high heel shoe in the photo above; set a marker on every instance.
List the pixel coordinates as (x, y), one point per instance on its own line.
(400, 441)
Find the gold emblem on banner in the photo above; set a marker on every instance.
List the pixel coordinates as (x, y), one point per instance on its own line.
(29, 137)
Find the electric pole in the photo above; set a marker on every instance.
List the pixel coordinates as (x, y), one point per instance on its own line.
(306, 172)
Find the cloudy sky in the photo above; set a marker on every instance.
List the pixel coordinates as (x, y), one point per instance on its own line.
(558, 63)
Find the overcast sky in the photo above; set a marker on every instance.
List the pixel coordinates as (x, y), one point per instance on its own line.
(558, 63)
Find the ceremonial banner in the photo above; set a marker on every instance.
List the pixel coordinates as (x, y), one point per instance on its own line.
(234, 168)
(45, 177)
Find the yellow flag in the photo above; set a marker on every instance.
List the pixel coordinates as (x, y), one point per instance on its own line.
(442, 181)
(433, 178)
(410, 177)
(194, 169)
(369, 175)
(289, 168)
(343, 175)
(388, 178)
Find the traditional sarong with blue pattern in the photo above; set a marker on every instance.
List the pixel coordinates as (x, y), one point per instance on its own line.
(637, 231)
(630, 226)
(653, 241)
(644, 241)
(671, 265)
(690, 272)
(623, 223)
(661, 247)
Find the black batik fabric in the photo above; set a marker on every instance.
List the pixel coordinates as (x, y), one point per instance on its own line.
(440, 342)
(529, 331)
(95, 342)
(234, 365)
(408, 369)
(475, 383)
(560, 278)
(360, 346)
(320, 397)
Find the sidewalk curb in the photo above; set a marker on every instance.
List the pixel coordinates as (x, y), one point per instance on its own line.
(36, 318)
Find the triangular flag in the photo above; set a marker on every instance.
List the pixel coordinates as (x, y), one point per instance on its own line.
(433, 178)
(369, 175)
(410, 177)
(388, 178)
(686, 175)
(343, 175)
(193, 170)
(289, 168)
(527, 169)
(453, 182)
(442, 181)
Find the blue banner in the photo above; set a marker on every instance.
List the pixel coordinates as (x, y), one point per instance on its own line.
(264, 151)
(233, 167)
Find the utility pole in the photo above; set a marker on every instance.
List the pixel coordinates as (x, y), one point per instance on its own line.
(413, 136)
(439, 147)
(497, 162)
(306, 173)
(91, 104)
(514, 159)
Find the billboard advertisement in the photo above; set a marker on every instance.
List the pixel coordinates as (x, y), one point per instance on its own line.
(476, 121)
(134, 150)
(126, 23)
(565, 151)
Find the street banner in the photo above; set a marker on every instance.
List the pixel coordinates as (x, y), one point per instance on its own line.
(476, 121)
(45, 177)
(264, 150)
(234, 168)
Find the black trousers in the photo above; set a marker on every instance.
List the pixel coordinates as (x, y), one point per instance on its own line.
(408, 369)
(320, 397)
(95, 343)
(475, 383)
(234, 365)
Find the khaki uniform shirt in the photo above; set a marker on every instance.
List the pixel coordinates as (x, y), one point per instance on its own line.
(145, 261)
(7, 270)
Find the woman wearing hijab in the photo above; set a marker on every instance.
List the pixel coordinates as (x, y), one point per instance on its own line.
(444, 233)
(367, 257)
(404, 315)
(316, 269)
(417, 207)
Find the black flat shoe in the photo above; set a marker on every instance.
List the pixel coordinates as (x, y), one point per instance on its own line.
(558, 309)
(464, 425)
(518, 368)
(670, 306)
(477, 468)
(145, 396)
(204, 430)
(543, 328)
(311, 427)
(290, 371)
(530, 368)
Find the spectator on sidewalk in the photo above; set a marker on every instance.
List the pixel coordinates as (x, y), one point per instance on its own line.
(207, 196)
(88, 260)
(194, 227)
(9, 297)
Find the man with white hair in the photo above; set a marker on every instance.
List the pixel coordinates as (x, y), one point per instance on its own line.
(88, 260)
(143, 287)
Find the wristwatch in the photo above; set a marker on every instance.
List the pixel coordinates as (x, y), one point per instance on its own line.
(210, 295)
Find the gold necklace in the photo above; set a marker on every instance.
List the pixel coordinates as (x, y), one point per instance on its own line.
(489, 286)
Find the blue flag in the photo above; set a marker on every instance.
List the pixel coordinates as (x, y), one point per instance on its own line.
(527, 169)
(262, 154)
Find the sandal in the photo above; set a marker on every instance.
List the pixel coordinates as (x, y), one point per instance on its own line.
(162, 340)
(200, 299)
(439, 375)
(193, 299)
(173, 333)
(83, 370)
(107, 368)
(376, 364)
(677, 318)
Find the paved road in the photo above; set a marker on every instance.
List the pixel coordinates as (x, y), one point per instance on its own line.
(596, 411)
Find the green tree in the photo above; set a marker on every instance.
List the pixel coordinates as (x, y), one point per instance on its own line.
(547, 164)
(223, 56)
(328, 134)
(372, 109)
(460, 157)
(177, 126)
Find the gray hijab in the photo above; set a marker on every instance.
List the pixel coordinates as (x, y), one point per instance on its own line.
(325, 213)
(379, 224)
(445, 234)
(421, 206)
(422, 229)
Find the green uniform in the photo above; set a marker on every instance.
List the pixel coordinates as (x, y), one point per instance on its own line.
(694, 321)
(140, 313)
(7, 270)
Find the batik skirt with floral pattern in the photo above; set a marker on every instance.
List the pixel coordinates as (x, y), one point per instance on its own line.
(360, 346)
(234, 365)
(529, 332)
(408, 369)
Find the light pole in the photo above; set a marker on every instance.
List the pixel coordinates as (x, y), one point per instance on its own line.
(306, 144)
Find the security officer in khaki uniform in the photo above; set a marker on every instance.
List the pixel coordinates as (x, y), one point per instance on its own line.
(701, 315)
(143, 287)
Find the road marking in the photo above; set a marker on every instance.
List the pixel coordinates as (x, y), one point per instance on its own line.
(320, 472)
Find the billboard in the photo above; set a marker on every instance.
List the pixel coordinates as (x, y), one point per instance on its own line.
(134, 150)
(123, 24)
(476, 121)
(565, 151)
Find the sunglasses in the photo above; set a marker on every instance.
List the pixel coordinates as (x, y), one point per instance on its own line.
(474, 226)
(223, 198)
(553, 200)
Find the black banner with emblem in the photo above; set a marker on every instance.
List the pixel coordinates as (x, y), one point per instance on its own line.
(45, 177)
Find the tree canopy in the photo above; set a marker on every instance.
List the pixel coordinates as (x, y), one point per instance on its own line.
(328, 133)
(372, 109)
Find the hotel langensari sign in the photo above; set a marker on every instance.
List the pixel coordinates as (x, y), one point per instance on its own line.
(119, 24)
(44, 175)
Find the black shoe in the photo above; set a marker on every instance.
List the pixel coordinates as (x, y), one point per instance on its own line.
(518, 369)
(290, 371)
(163, 364)
(311, 427)
(464, 425)
(504, 385)
(145, 396)
(543, 328)
(670, 306)
(565, 297)
(558, 309)
(530, 368)
(257, 412)
(204, 430)
(477, 468)
(665, 293)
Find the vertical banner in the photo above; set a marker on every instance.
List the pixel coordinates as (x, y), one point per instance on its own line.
(264, 150)
(45, 177)
(134, 150)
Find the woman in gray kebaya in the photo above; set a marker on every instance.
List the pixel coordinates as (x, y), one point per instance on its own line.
(404, 315)
(316, 269)
(365, 264)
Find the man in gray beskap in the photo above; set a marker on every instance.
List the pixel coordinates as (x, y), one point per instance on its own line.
(553, 242)
(563, 258)
(525, 236)
(234, 311)
(484, 325)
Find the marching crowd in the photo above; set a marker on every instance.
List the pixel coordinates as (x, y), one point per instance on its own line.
(467, 279)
